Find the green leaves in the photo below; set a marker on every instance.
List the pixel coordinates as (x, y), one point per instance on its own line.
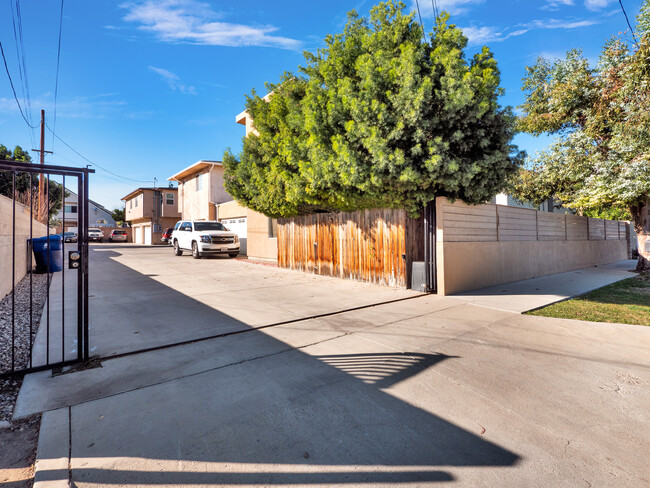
(377, 118)
(601, 116)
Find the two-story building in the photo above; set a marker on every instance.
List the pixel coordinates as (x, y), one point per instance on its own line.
(98, 215)
(200, 190)
(202, 196)
(150, 211)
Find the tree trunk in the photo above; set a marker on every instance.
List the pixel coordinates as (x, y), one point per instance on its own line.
(641, 222)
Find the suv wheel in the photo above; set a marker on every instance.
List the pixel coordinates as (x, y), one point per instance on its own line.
(177, 250)
(195, 250)
(233, 254)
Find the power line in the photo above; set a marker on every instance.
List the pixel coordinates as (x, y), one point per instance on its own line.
(22, 63)
(434, 6)
(58, 60)
(417, 3)
(13, 89)
(92, 162)
(628, 22)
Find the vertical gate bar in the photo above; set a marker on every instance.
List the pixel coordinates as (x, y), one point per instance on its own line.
(80, 238)
(31, 265)
(426, 247)
(13, 274)
(434, 262)
(85, 269)
(63, 274)
(47, 296)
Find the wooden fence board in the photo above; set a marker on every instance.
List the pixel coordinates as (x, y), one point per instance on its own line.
(369, 245)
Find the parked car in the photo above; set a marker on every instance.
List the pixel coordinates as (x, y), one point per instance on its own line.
(69, 237)
(95, 234)
(203, 237)
(118, 235)
(167, 234)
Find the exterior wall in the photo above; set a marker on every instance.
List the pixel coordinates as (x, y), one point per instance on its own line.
(195, 204)
(97, 213)
(169, 210)
(20, 239)
(144, 208)
(218, 193)
(258, 242)
(485, 245)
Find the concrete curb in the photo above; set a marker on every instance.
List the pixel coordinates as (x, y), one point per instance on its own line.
(53, 454)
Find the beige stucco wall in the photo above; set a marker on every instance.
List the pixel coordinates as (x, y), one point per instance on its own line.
(20, 239)
(218, 193)
(259, 244)
(471, 265)
(169, 210)
(195, 204)
(144, 206)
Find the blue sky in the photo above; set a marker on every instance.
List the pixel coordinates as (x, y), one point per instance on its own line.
(147, 88)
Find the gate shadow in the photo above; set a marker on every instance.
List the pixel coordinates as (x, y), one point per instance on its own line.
(275, 416)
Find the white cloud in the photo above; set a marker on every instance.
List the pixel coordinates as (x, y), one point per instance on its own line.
(561, 24)
(483, 35)
(597, 4)
(195, 22)
(173, 81)
(556, 4)
(454, 7)
(486, 34)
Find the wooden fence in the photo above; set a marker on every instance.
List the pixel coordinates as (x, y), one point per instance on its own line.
(376, 245)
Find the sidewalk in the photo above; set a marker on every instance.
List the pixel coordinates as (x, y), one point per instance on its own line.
(522, 296)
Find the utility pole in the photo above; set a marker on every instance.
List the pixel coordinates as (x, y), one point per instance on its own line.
(41, 180)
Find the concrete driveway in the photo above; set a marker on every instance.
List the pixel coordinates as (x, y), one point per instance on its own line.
(416, 392)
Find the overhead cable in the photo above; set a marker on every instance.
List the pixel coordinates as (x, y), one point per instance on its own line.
(58, 61)
(92, 162)
(13, 89)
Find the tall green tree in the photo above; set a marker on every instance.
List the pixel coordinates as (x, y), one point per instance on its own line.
(601, 116)
(119, 214)
(379, 117)
(23, 180)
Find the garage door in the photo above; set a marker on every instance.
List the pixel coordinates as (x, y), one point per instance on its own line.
(147, 234)
(238, 226)
(137, 235)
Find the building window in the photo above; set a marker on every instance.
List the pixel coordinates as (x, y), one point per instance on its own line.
(70, 209)
(130, 204)
(273, 228)
(199, 182)
(169, 198)
(136, 200)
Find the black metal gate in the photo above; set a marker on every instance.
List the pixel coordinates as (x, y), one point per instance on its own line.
(430, 246)
(32, 341)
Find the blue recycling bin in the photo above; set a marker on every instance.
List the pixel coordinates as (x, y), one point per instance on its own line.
(42, 249)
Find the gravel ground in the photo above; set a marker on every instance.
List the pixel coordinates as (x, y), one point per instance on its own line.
(18, 439)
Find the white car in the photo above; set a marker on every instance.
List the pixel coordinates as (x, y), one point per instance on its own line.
(95, 234)
(203, 237)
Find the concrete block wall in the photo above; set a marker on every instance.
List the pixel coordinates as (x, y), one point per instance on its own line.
(20, 238)
(485, 245)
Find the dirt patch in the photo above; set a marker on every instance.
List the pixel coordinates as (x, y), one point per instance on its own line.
(18, 452)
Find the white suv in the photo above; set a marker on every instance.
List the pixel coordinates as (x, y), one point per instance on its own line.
(95, 234)
(204, 237)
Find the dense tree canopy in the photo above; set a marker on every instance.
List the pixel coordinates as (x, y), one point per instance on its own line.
(23, 180)
(601, 116)
(380, 117)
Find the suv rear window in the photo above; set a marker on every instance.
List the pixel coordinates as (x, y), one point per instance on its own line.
(120, 232)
